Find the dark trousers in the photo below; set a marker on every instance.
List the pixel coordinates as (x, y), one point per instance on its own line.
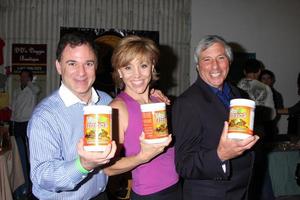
(260, 186)
(19, 130)
(101, 196)
(173, 192)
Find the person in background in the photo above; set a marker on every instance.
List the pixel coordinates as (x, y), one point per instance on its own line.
(260, 93)
(267, 77)
(60, 167)
(153, 171)
(24, 100)
(212, 165)
(294, 114)
(260, 187)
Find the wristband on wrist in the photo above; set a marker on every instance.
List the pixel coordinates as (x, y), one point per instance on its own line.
(80, 168)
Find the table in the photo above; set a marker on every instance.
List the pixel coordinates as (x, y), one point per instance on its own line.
(282, 166)
(11, 174)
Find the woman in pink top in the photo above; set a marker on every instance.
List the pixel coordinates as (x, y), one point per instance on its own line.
(152, 165)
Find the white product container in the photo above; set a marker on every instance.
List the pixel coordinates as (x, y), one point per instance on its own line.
(97, 127)
(241, 118)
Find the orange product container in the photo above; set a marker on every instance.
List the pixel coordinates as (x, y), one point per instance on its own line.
(155, 125)
(97, 127)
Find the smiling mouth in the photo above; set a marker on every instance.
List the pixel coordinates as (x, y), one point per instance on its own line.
(139, 82)
(215, 75)
(81, 80)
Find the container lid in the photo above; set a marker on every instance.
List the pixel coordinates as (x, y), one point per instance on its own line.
(94, 109)
(242, 102)
(153, 107)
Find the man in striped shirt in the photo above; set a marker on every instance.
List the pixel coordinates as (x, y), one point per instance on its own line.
(60, 167)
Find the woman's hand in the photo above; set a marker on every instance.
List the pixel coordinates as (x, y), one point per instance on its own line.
(149, 151)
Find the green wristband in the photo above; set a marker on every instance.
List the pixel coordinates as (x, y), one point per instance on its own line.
(80, 168)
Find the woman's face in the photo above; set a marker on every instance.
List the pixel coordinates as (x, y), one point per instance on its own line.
(137, 75)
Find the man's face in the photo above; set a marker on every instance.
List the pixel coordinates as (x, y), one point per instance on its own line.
(77, 68)
(24, 78)
(213, 65)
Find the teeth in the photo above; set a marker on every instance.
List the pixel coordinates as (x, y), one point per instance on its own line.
(137, 82)
(215, 74)
(81, 79)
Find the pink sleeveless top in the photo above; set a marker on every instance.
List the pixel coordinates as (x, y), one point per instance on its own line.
(155, 175)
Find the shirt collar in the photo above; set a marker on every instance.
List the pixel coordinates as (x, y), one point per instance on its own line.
(224, 94)
(225, 90)
(70, 99)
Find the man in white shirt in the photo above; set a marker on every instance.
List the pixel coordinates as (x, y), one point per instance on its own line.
(23, 102)
(261, 187)
(258, 91)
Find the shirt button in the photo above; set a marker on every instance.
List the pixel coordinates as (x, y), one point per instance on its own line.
(100, 188)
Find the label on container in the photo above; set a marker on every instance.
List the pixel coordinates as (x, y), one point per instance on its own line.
(97, 129)
(155, 124)
(241, 120)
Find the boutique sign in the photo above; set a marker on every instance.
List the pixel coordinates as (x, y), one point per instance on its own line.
(29, 56)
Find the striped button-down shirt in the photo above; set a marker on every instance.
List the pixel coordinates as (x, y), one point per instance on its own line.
(54, 130)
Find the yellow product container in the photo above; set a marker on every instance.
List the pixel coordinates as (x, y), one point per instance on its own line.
(97, 127)
(241, 118)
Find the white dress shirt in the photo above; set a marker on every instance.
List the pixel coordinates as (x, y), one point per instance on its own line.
(23, 102)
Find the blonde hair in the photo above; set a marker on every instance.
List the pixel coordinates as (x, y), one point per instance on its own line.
(128, 49)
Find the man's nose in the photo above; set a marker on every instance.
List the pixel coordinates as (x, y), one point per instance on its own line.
(215, 63)
(81, 69)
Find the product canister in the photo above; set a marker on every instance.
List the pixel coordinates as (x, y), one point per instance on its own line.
(241, 118)
(97, 127)
(155, 125)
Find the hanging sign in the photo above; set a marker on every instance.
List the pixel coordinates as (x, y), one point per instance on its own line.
(29, 56)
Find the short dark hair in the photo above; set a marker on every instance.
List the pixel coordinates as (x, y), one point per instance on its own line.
(28, 71)
(74, 39)
(252, 66)
(270, 73)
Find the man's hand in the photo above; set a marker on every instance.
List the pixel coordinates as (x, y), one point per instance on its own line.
(229, 148)
(149, 151)
(158, 94)
(92, 159)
